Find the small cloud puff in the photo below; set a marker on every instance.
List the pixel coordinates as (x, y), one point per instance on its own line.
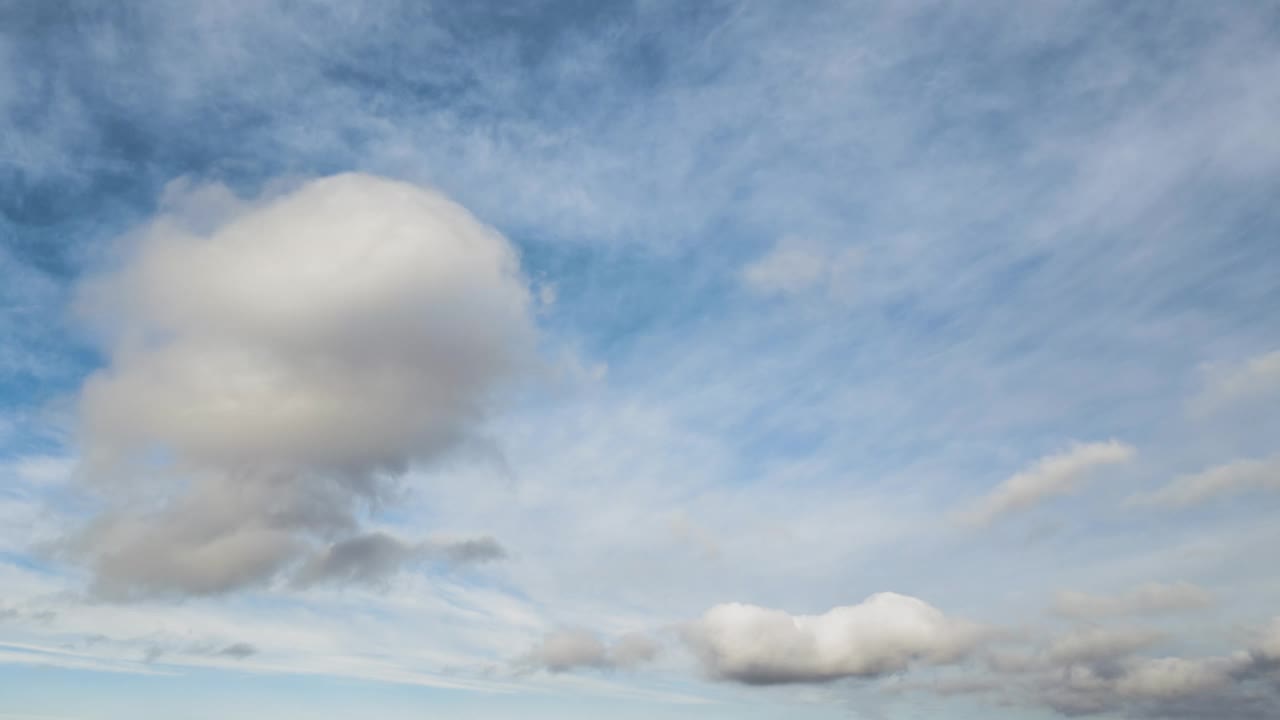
(567, 649)
(884, 634)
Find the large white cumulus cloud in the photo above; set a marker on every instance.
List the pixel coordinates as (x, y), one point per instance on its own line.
(272, 363)
(883, 634)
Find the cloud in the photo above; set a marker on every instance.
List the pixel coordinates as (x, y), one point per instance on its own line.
(1140, 688)
(374, 557)
(1142, 600)
(175, 652)
(1098, 644)
(1102, 671)
(1257, 378)
(884, 634)
(1057, 474)
(1106, 671)
(1012, 310)
(367, 558)
(568, 649)
(1267, 648)
(239, 651)
(1162, 687)
(795, 266)
(1168, 677)
(633, 649)
(273, 366)
(462, 552)
(1228, 479)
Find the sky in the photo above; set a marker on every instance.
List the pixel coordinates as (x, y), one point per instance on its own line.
(860, 360)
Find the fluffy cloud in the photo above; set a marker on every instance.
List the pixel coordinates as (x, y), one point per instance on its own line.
(1057, 474)
(883, 634)
(1230, 478)
(272, 366)
(572, 648)
(1142, 600)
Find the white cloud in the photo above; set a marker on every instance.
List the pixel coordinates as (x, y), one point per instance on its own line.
(795, 266)
(1231, 478)
(1254, 379)
(271, 370)
(1142, 600)
(1057, 474)
(883, 634)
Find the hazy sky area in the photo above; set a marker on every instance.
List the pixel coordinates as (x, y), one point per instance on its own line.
(639, 360)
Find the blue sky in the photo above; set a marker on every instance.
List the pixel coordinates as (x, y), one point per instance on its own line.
(568, 359)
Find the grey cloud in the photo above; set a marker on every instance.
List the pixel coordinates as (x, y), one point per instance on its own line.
(155, 646)
(364, 558)
(633, 649)
(154, 649)
(376, 556)
(884, 634)
(27, 613)
(567, 649)
(1159, 687)
(1098, 671)
(273, 366)
(463, 552)
(239, 651)
(1116, 672)
(1142, 600)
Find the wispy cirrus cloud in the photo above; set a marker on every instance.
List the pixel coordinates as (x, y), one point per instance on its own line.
(1238, 476)
(1058, 474)
(1146, 599)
